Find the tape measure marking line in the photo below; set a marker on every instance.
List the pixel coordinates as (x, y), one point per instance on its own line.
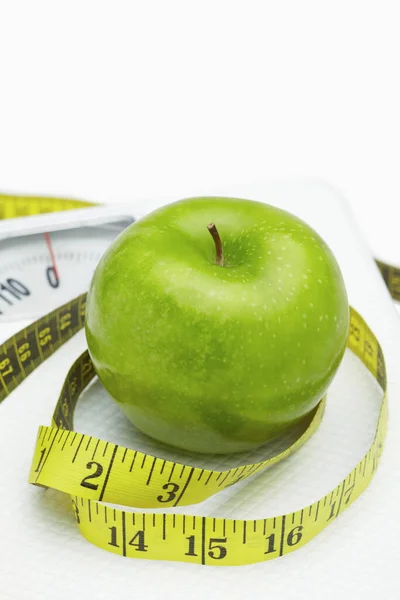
(65, 441)
(151, 469)
(108, 471)
(179, 498)
(45, 456)
(78, 448)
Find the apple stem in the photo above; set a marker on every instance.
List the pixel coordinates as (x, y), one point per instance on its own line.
(218, 244)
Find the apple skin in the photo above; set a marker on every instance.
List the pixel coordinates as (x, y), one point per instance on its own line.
(209, 358)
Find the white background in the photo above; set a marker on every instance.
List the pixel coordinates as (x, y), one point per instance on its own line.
(110, 100)
(114, 100)
(355, 558)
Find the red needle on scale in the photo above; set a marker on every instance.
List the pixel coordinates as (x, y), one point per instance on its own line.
(52, 258)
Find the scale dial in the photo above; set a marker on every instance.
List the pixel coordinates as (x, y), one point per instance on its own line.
(42, 271)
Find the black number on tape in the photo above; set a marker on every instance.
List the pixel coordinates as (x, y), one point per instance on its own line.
(271, 544)
(295, 536)
(140, 545)
(191, 551)
(215, 549)
(348, 493)
(42, 453)
(113, 537)
(99, 470)
(172, 489)
(137, 540)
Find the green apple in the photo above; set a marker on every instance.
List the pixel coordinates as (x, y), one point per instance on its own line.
(217, 338)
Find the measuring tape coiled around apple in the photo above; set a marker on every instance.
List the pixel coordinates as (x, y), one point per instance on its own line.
(95, 472)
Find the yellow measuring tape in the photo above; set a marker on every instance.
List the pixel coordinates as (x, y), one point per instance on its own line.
(95, 472)
(25, 206)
